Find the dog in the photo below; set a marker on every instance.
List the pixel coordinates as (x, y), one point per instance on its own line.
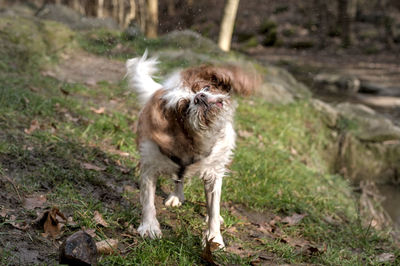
(185, 128)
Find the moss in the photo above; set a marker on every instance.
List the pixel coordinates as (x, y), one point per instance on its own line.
(56, 36)
(26, 42)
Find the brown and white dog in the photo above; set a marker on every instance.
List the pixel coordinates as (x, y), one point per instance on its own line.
(185, 128)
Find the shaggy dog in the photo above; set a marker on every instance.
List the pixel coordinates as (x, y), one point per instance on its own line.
(185, 128)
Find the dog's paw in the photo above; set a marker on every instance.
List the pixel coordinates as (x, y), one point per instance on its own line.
(173, 201)
(221, 220)
(216, 240)
(150, 229)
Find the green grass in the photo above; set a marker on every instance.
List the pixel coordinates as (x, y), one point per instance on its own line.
(278, 169)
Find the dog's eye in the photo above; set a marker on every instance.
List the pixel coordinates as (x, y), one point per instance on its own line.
(206, 88)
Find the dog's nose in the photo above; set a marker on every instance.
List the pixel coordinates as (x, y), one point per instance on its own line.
(201, 97)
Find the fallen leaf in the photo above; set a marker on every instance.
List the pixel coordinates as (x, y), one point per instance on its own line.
(71, 222)
(90, 166)
(293, 219)
(384, 257)
(244, 133)
(207, 251)
(91, 82)
(51, 222)
(33, 89)
(107, 247)
(34, 126)
(98, 218)
(4, 212)
(13, 221)
(91, 232)
(63, 91)
(129, 189)
(99, 110)
(293, 151)
(30, 203)
(48, 73)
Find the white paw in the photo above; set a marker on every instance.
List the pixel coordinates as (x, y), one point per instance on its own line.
(221, 220)
(214, 238)
(150, 229)
(173, 201)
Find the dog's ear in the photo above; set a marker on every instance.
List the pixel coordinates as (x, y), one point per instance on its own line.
(234, 79)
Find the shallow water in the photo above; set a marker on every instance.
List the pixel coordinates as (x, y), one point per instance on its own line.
(392, 201)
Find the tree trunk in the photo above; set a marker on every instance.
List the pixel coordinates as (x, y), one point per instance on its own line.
(152, 18)
(227, 24)
(121, 12)
(100, 8)
(132, 13)
(346, 14)
(171, 8)
(321, 9)
(142, 15)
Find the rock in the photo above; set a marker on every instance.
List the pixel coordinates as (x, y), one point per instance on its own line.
(275, 93)
(27, 41)
(132, 31)
(337, 83)
(73, 19)
(367, 124)
(371, 88)
(329, 114)
(283, 79)
(188, 39)
(357, 160)
(78, 249)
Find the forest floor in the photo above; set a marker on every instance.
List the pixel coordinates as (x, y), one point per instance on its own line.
(68, 141)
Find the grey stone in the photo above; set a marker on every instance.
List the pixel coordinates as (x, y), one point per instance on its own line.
(78, 249)
(369, 125)
(73, 19)
(337, 83)
(329, 114)
(188, 39)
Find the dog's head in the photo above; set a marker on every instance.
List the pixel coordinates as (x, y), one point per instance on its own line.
(201, 96)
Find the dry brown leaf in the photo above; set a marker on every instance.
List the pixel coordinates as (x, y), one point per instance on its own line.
(90, 166)
(30, 203)
(107, 247)
(48, 73)
(21, 226)
(51, 222)
(207, 251)
(34, 126)
(385, 257)
(4, 212)
(293, 219)
(91, 232)
(244, 134)
(98, 218)
(98, 111)
(71, 222)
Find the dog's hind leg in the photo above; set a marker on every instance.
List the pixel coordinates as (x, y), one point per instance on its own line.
(212, 187)
(149, 225)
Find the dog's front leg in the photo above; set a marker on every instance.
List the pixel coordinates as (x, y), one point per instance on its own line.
(212, 187)
(176, 198)
(149, 226)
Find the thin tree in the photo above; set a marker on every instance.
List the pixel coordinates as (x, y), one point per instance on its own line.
(227, 24)
(151, 18)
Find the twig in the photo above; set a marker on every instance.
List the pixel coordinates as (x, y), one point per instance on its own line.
(15, 187)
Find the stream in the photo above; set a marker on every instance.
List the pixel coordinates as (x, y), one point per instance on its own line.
(392, 201)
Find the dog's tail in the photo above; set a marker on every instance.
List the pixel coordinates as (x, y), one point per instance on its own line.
(139, 71)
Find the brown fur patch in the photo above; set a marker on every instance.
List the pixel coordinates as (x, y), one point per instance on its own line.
(167, 129)
(222, 78)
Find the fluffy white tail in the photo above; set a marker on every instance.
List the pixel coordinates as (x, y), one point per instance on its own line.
(139, 71)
